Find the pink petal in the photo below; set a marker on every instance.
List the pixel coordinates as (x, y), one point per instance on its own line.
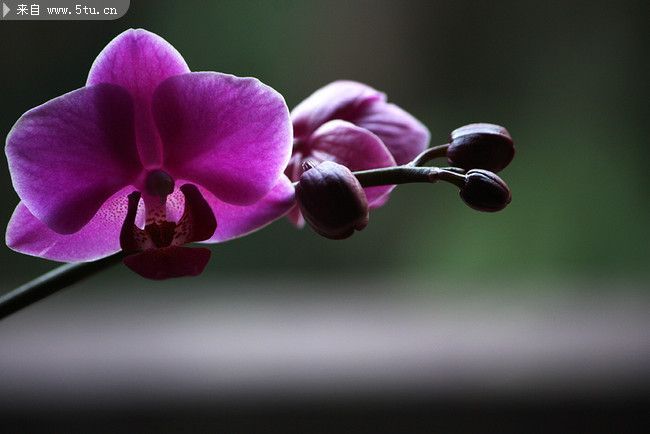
(139, 61)
(98, 239)
(355, 148)
(338, 100)
(404, 136)
(295, 217)
(231, 135)
(69, 155)
(159, 264)
(381, 200)
(366, 107)
(235, 221)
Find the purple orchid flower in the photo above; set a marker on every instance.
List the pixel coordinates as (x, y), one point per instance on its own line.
(147, 157)
(351, 124)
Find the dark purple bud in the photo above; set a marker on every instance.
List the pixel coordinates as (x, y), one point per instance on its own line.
(485, 191)
(481, 146)
(332, 200)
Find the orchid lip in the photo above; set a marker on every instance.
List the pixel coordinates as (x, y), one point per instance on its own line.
(196, 224)
(160, 242)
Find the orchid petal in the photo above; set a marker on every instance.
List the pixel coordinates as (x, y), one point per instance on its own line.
(69, 155)
(381, 200)
(98, 239)
(366, 107)
(139, 61)
(338, 100)
(230, 135)
(404, 136)
(235, 221)
(168, 262)
(295, 217)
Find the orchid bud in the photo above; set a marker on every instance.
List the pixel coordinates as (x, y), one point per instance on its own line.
(332, 200)
(485, 191)
(481, 146)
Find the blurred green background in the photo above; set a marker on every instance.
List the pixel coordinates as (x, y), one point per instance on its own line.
(568, 79)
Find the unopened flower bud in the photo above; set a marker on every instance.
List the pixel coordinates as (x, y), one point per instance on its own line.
(332, 200)
(481, 146)
(485, 191)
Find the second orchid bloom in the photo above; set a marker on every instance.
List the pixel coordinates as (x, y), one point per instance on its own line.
(352, 124)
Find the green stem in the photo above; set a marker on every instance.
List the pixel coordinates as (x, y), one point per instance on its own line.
(409, 174)
(394, 175)
(429, 154)
(451, 176)
(52, 282)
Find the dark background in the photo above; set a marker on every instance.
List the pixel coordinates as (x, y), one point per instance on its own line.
(569, 79)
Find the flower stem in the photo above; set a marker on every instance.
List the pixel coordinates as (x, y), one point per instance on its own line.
(408, 174)
(393, 175)
(429, 154)
(52, 282)
(452, 176)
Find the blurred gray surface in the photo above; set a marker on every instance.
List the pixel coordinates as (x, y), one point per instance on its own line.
(255, 341)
